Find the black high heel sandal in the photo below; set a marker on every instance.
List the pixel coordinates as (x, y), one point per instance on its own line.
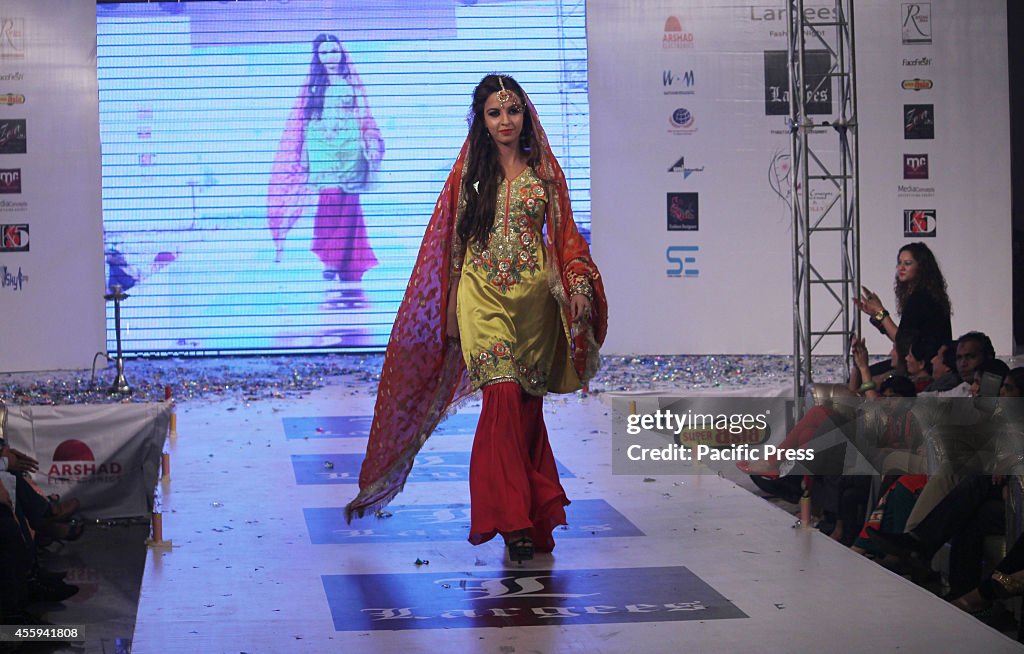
(520, 549)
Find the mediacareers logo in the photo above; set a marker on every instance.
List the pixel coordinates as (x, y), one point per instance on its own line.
(13, 207)
(74, 463)
(918, 121)
(14, 238)
(682, 261)
(10, 180)
(683, 212)
(12, 38)
(12, 137)
(917, 84)
(11, 279)
(682, 122)
(11, 99)
(678, 82)
(918, 223)
(915, 191)
(675, 38)
(917, 23)
(915, 166)
(680, 167)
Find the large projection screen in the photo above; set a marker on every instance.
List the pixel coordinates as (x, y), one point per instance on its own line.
(222, 245)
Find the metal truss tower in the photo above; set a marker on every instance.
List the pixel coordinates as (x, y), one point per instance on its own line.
(824, 184)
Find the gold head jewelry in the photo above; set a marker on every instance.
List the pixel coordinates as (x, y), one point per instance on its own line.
(503, 95)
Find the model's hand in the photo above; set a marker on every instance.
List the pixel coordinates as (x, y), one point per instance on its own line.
(579, 308)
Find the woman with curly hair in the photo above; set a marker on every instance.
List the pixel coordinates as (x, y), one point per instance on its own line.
(921, 299)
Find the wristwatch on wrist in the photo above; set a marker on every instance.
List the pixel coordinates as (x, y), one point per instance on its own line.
(880, 315)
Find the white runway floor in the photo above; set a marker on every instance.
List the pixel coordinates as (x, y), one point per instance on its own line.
(260, 562)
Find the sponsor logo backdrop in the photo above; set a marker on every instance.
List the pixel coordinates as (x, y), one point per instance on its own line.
(727, 286)
(51, 291)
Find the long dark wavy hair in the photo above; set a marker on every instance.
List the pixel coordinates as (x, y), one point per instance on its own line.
(483, 171)
(929, 278)
(318, 80)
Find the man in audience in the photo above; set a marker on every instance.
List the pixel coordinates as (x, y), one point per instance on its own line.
(944, 375)
(973, 349)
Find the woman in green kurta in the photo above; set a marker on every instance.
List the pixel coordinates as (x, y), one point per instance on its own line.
(504, 298)
(508, 323)
(507, 317)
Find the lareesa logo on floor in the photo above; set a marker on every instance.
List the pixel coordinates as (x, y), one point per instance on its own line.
(682, 260)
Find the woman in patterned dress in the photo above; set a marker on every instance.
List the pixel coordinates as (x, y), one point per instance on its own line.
(330, 148)
(505, 298)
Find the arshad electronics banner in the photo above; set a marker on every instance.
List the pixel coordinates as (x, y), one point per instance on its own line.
(107, 456)
(690, 164)
(51, 234)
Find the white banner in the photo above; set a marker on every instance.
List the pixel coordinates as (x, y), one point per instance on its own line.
(51, 231)
(690, 158)
(105, 455)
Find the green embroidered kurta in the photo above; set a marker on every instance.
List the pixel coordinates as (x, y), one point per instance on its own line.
(334, 143)
(509, 322)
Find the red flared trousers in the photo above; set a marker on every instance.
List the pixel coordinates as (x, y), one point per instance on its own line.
(513, 480)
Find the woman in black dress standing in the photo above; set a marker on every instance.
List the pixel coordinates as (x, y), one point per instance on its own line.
(921, 299)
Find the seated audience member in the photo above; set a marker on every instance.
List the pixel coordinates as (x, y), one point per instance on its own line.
(25, 581)
(952, 417)
(972, 349)
(944, 375)
(918, 361)
(1006, 581)
(972, 510)
(896, 452)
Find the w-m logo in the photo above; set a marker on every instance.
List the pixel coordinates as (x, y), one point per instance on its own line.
(670, 78)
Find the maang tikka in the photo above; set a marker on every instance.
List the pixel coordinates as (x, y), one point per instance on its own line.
(503, 95)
